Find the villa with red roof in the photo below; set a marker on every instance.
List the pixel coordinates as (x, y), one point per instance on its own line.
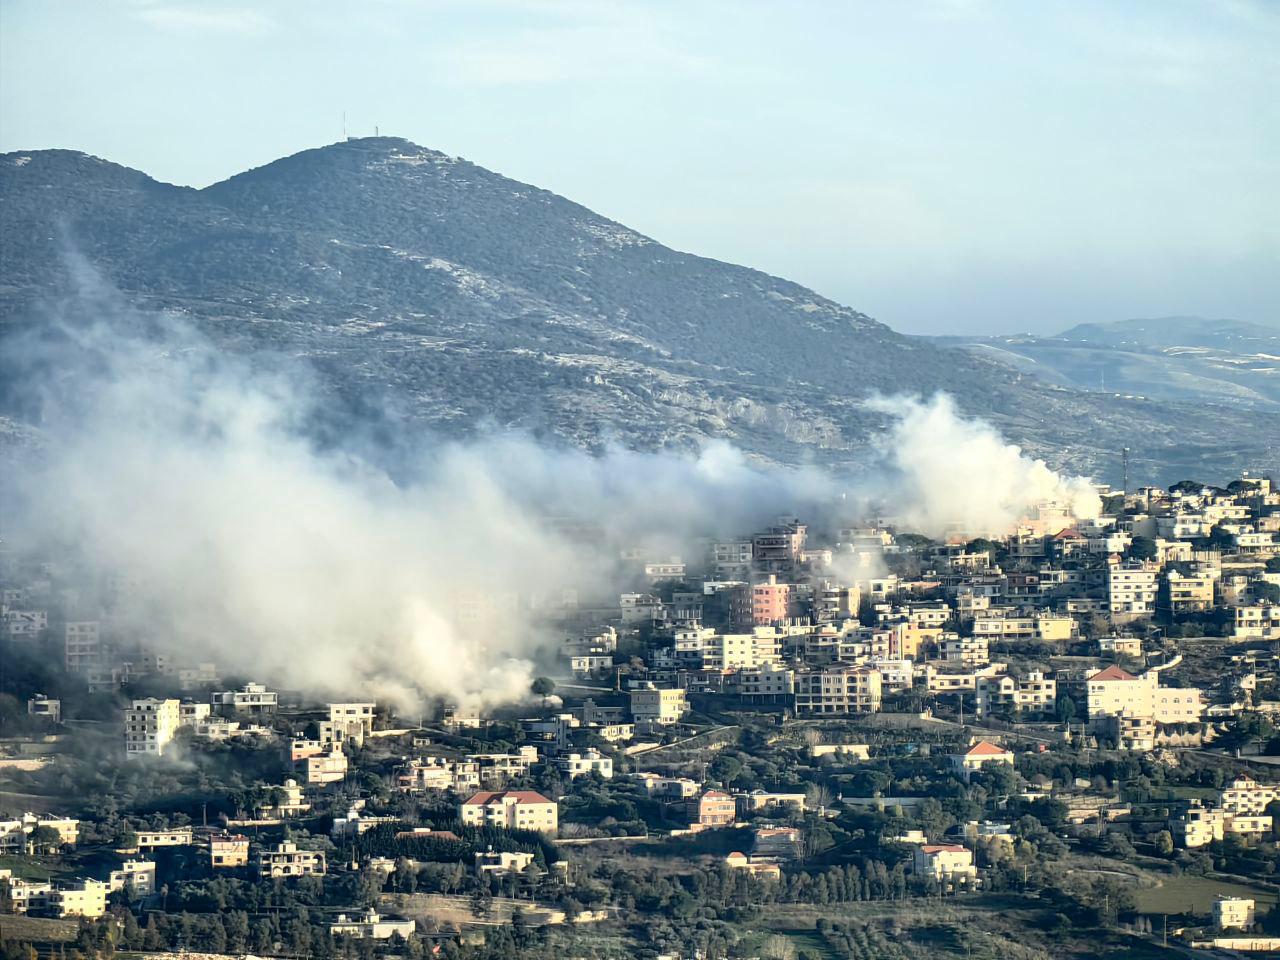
(978, 756)
(510, 810)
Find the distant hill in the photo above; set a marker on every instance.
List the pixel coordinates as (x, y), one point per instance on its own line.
(1183, 359)
(430, 292)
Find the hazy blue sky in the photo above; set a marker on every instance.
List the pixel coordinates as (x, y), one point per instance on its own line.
(945, 165)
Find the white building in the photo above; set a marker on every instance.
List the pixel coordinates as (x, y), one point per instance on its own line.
(137, 876)
(150, 726)
(371, 926)
(577, 764)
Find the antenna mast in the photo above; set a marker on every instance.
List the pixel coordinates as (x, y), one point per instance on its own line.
(1124, 455)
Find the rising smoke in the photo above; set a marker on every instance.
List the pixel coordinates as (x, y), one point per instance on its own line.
(192, 473)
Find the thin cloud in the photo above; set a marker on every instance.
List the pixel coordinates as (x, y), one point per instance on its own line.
(193, 19)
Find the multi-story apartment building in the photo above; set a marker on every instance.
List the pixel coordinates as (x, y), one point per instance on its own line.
(839, 689)
(176, 837)
(1190, 592)
(1258, 622)
(651, 704)
(1132, 588)
(1036, 695)
(83, 645)
(970, 651)
(1244, 795)
(510, 810)
(769, 683)
(348, 722)
(150, 726)
(1114, 692)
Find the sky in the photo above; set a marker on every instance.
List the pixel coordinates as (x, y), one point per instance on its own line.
(947, 166)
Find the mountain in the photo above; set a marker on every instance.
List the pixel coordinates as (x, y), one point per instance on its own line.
(433, 293)
(1183, 359)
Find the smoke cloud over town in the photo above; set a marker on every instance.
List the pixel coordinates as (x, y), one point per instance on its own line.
(189, 481)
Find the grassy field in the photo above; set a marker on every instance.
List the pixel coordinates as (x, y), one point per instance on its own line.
(38, 930)
(25, 869)
(1191, 894)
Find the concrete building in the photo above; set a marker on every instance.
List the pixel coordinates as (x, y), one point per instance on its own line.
(948, 864)
(1132, 588)
(979, 757)
(151, 839)
(136, 876)
(150, 726)
(348, 722)
(42, 706)
(1233, 913)
(252, 698)
(650, 704)
(839, 689)
(286, 860)
(78, 898)
(371, 926)
(227, 851)
(82, 645)
(500, 863)
(1034, 696)
(1114, 692)
(712, 809)
(327, 766)
(15, 834)
(511, 810)
(576, 764)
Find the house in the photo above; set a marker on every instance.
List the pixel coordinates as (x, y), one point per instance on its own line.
(1034, 696)
(510, 810)
(758, 800)
(286, 860)
(25, 894)
(769, 869)
(502, 862)
(1244, 795)
(662, 707)
(1233, 912)
(783, 843)
(979, 756)
(252, 698)
(329, 766)
(576, 764)
(150, 726)
(712, 809)
(138, 877)
(150, 839)
(371, 926)
(284, 801)
(42, 706)
(78, 898)
(228, 851)
(347, 722)
(949, 864)
(15, 835)
(1114, 692)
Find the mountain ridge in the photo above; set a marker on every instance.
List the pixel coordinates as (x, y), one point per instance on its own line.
(435, 288)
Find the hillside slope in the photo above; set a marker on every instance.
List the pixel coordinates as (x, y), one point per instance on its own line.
(430, 292)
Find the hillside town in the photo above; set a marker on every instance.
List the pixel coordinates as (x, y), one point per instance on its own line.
(805, 742)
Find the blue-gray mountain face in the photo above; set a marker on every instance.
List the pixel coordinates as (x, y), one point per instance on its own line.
(1167, 358)
(430, 292)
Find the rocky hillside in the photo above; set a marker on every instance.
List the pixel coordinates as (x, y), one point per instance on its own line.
(431, 292)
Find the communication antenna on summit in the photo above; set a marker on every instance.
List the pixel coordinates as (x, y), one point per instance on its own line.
(344, 125)
(1124, 456)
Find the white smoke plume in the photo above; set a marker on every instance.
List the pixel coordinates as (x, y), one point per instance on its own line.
(945, 473)
(191, 473)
